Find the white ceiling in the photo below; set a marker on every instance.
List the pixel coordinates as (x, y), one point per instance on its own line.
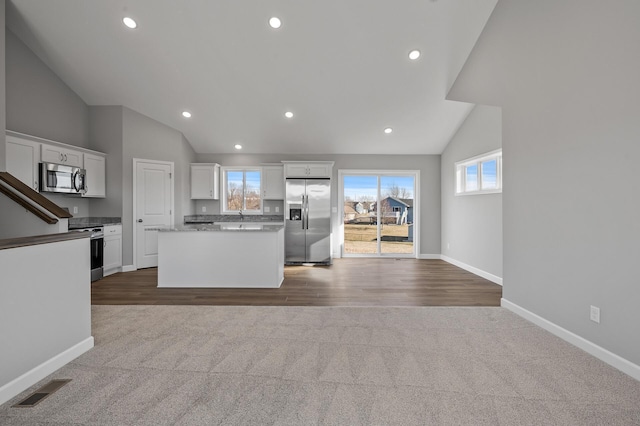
(341, 66)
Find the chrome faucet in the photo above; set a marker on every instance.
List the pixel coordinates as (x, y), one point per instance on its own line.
(241, 215)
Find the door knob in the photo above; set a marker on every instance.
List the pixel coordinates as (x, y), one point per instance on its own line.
(139, 220)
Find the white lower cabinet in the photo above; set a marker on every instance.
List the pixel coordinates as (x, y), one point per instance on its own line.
(112, 258)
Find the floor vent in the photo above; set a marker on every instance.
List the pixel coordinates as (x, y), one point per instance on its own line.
(42, 393)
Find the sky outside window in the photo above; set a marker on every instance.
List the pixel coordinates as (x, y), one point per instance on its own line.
(490, 174)
(471, 177)
(366, 187)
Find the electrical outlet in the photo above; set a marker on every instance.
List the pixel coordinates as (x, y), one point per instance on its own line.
(204, 209)
(448, 246)
(277, 209)
(267, 209)
(595, 314)
(75, 210)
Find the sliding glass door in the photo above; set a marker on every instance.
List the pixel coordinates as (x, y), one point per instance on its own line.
(378, 213)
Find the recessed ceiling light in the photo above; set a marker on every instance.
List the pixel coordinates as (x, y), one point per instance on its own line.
(275, 22)
(414, 54)
(288, 114)
(186, 114)
(237, 146)
(129, 22)
(388, 130)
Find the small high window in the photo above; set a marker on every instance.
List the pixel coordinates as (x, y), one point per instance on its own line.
(480, 175)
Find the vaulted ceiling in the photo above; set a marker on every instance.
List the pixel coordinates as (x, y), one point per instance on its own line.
(340, 66)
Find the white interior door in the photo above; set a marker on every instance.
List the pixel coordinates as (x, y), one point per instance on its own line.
(153, 207)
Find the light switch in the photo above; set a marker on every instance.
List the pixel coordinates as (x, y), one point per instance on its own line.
(75, 210)
(267, 209)
(204, 209)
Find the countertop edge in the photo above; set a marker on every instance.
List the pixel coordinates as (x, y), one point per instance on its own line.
(215, 228)
(10, 243)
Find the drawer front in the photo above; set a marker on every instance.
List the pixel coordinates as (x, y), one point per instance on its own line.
(112, 230)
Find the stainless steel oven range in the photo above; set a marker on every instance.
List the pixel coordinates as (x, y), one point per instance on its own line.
(97, 250)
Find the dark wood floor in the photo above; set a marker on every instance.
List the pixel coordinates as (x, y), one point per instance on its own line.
(348, 282)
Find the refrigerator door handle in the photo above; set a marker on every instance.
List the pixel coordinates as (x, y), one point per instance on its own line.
(303, 212)
(306, 210)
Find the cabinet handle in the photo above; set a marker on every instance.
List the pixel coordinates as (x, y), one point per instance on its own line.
(104, 243)
(35, 185)
(61, 157)
(65, 157)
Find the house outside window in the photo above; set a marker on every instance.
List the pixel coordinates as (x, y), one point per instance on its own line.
(480, 175)
(241, 190)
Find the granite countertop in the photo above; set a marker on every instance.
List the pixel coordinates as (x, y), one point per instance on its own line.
(235, 227)
(41, 239)
(90, 222)
(211, 218)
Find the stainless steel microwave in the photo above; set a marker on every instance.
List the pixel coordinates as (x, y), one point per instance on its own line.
(60, 178)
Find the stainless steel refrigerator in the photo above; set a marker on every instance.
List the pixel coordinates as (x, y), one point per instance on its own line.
(308, 221)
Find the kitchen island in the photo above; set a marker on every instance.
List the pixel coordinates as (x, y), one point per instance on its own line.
(233, 255)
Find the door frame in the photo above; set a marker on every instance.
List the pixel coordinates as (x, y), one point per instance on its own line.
(135, 201)
(416, 209)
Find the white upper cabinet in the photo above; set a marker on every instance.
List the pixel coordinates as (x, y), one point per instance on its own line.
(23, 157)
(273, 183)
(95, 183)
(25, 153)
(312, 169)
(320, 169)
(205, 181)
(60, 155)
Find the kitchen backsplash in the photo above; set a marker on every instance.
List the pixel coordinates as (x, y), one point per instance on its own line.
(206, 218)
(88, 222)
(213, 207)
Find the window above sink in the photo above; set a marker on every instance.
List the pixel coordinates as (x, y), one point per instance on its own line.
(241, 190)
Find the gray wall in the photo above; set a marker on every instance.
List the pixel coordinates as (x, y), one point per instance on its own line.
(105, 134)
(38, 103)
(429, 166)
(472, 224)
(566, 75)
(3, 109)
(145, 138)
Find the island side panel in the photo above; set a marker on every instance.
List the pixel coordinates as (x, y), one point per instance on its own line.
(240, 259)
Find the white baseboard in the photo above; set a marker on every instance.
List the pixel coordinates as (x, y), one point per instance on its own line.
(428, 256)
(41, 371)
(486, 275)
(128, 268)
(599, 352)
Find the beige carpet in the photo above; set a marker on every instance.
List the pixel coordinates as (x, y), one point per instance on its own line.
(209, 365)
